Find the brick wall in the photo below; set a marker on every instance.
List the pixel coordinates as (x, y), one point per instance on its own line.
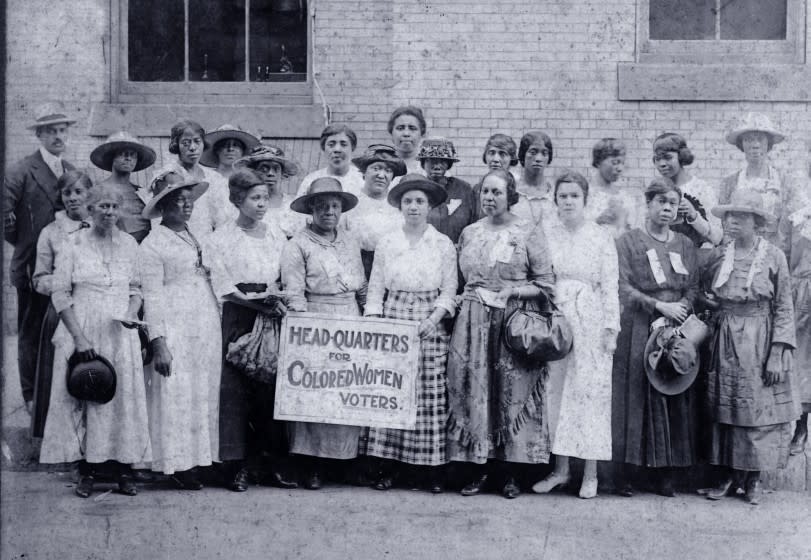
(475, 67)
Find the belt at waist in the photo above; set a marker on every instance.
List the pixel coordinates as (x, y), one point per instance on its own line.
(746, 308)
(344, 297)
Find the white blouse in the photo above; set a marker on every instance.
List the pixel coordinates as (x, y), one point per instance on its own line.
(428, 265)
(371, 219)
(237, 257)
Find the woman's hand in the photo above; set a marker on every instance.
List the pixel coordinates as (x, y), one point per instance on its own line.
(427, 328)
(130, 321)
(83, 348)
(778, 365)
(505, 294)
(676, 311)
(161, 357)
(608, 340)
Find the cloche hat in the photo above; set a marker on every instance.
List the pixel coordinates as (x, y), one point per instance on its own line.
(268, 152)
(92, 380)
(382, 153)
(414, 181)
(437, 148)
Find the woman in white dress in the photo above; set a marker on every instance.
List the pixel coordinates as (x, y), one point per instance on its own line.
(184, 329)
(536, 202)
(585, 262)
(337, 142)
(671, 156)
(97, 293)
(612, 204)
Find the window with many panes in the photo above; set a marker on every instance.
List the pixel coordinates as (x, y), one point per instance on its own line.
(708, 31)
(205, 50)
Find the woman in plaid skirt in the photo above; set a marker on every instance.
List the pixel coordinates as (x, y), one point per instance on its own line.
(415, 268)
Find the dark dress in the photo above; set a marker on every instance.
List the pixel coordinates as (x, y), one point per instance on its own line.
(458, 212)
(751, 421)
(648, 428)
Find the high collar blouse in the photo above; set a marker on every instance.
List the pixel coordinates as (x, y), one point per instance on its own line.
(516, 255)
(371, 219)
(428, 265)
(312, 264)
(237, 257)
(50, 241)
(535, 208)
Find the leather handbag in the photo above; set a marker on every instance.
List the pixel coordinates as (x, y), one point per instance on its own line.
(543, 335)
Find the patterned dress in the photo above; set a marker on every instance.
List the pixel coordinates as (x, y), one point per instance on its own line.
(98, 287)
(497, 401)
(648, 428)
(246, 422)
(413, 281)
(324, 276)
(800, 268)
(535, 208)
(50, 242)
(585, 263)
(180, 306)
(752, 422)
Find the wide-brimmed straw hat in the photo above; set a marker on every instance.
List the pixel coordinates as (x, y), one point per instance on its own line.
(437, 148)
(173, 182)
(754, 122)
(320, 187)
(381, 153)
(226, 131)
(268, 152)
(671, 357)
(48, 116)
(104, 154)
(414, 181)
(743, 200)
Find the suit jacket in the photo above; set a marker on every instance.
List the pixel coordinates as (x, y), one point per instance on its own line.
(29, 202)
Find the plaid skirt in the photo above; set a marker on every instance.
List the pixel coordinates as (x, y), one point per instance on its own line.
(425, 444)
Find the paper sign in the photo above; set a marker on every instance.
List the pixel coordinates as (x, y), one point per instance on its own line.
(678, 265)
(656, 267)
(359, 371)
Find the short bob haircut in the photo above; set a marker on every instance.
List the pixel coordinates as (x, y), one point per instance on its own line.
(502, 142)
(415, 112)
(571, 176)
(179, 128)
(672, 142)
(660, 185)
(534, 138)
(333, 129)
(607, 148)
(104, 191)
(509, 179)
(239, 183)
(70, 178)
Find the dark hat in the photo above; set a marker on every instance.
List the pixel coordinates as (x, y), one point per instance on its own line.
(103, 156)
(382, 153)
(93, 380)
(267, 152)
(226, 131)
(671, 355)
(437, 148)
(173, 182)
(320, 187)
(414, 181)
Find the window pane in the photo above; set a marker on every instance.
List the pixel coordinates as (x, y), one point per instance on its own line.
(753, 19)
(155, 40)
(682, 19)
(217, 40)
(278, 41)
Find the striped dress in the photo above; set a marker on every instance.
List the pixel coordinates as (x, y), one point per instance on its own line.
(408, 282)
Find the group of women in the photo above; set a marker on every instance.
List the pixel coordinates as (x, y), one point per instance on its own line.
(217, 247)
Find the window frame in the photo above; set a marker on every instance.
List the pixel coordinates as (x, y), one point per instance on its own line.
(791, 50)
(125, 91)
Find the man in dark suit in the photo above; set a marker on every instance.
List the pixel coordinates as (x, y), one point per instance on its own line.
(30, 199)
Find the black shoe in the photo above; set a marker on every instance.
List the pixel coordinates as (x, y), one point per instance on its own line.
(721, 490)
(85, 487)
(313, 481)
(240, 482)
(126, 485)
(626, 490)
(186, 480)
(278, 480)
(436, 486)
(475, 487)
(798, 442)
(511, 489)
(666, 488)
(385, 482)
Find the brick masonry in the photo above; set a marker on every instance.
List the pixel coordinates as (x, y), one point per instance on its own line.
(475, 68)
